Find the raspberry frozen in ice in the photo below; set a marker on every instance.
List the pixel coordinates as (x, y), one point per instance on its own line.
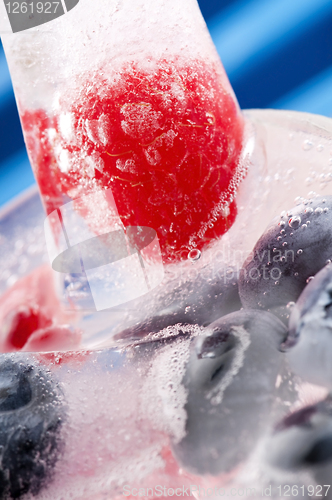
(166, 140)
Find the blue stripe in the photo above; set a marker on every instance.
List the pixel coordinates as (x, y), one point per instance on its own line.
(314, 96)
(5, 81)
(15, 176)
(247, 29)
(4, 74)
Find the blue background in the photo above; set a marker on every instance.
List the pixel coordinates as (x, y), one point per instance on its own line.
(277, 54)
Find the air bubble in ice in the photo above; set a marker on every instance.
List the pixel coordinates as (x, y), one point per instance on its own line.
(66, 126)
(307, 145)
(152, 155)
(140, 119)
(64, 161)
(295, 222)
(128, 165)
(91, 127)
(194, 254)
(210, 118)
(104, 128)
(94, 162)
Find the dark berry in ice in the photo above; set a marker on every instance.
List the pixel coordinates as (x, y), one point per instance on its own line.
(201, 301)
(303, 439)
(31, 413)
(230, 381)
(309, 343)
(294, 247)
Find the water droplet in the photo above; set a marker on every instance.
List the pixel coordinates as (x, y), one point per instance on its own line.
(194, 254)
(276, 282)
(296, 274)
(290, 305)
(300, 251)
(274, 250)
(310, 279)
(282, 223)
(304, 226)
(282, 231)
(306, 145)
(295, 222)
(308, 210)
(285, 244)
(291, 234)
(318, 210)
(325, 210)
(328, 261)
(279, 238)
(320, 148)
